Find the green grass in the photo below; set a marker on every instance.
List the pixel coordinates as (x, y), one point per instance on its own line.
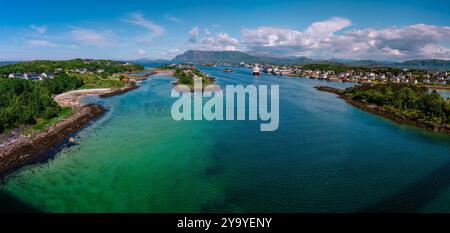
(44, 123)
(104, 83)
(96, 81)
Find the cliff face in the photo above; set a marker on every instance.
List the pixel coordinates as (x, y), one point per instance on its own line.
(27, 150)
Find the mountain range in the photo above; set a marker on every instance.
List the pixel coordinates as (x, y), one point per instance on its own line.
(235, 57)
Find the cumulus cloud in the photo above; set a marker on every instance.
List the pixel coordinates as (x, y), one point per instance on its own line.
(327, 28)
(435, 51)
(39, 29)
(219, 41)
(207, 32)
(320, 39)
(194, 34)
(418, 40)
(141, 52)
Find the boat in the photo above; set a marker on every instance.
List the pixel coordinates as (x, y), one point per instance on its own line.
(227, 70)
(256, 70)
(276, 71)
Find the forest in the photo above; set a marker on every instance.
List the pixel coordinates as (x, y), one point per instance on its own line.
(409, 100)
(24, 102)
(106, 66)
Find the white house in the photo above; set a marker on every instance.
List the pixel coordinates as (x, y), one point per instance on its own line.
(395, 80)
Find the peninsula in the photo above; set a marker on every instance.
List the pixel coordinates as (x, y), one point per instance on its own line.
(404, 104)
(42, 104)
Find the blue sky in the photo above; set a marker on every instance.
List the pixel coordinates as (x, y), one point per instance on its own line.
(393, 30)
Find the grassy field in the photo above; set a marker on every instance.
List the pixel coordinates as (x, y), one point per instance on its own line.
(44, 123)
(95, 81)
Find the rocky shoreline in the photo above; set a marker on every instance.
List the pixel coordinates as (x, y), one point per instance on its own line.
(27, 149)
(379, 110)
(119, 91)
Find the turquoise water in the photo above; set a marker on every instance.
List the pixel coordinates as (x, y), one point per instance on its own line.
(444, 93)
(326, 156)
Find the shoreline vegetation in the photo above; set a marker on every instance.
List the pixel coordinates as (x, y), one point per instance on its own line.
(424, 110)
(27, 143)
(187, 75)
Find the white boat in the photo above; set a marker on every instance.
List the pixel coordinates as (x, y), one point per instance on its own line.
(256, 70)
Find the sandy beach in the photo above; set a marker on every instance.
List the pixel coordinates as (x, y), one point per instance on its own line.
(73, 98)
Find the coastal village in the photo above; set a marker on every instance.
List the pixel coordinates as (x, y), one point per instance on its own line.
(342, 73)
(353, 74)
(88, 67)
(339, 74)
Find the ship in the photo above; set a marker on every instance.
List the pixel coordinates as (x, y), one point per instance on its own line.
(256, 70)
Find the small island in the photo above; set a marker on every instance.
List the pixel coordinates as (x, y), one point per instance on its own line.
(187, 75)
(402, 103)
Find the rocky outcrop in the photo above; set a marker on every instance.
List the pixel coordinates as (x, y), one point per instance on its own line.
(119, 91)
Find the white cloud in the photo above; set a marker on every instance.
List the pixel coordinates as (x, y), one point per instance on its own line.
(435, 51)
(102, 38)
(40, 43)
(39, 29)
(193, 34)
(171, 53)
(207, 32)
(320, 40)
(225, 39)
(173, 19)
(153, 28)
(418, 40)
(221, 41)
(327, 28)
(141, 52)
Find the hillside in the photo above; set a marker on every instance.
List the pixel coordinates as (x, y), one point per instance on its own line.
(195, 56)
(432, 64)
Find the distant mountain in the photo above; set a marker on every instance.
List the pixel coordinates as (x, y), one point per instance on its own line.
(428, 64)
(196, 56)
(151, 60)
(431, 64)
(235, 57)
(352, 62)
